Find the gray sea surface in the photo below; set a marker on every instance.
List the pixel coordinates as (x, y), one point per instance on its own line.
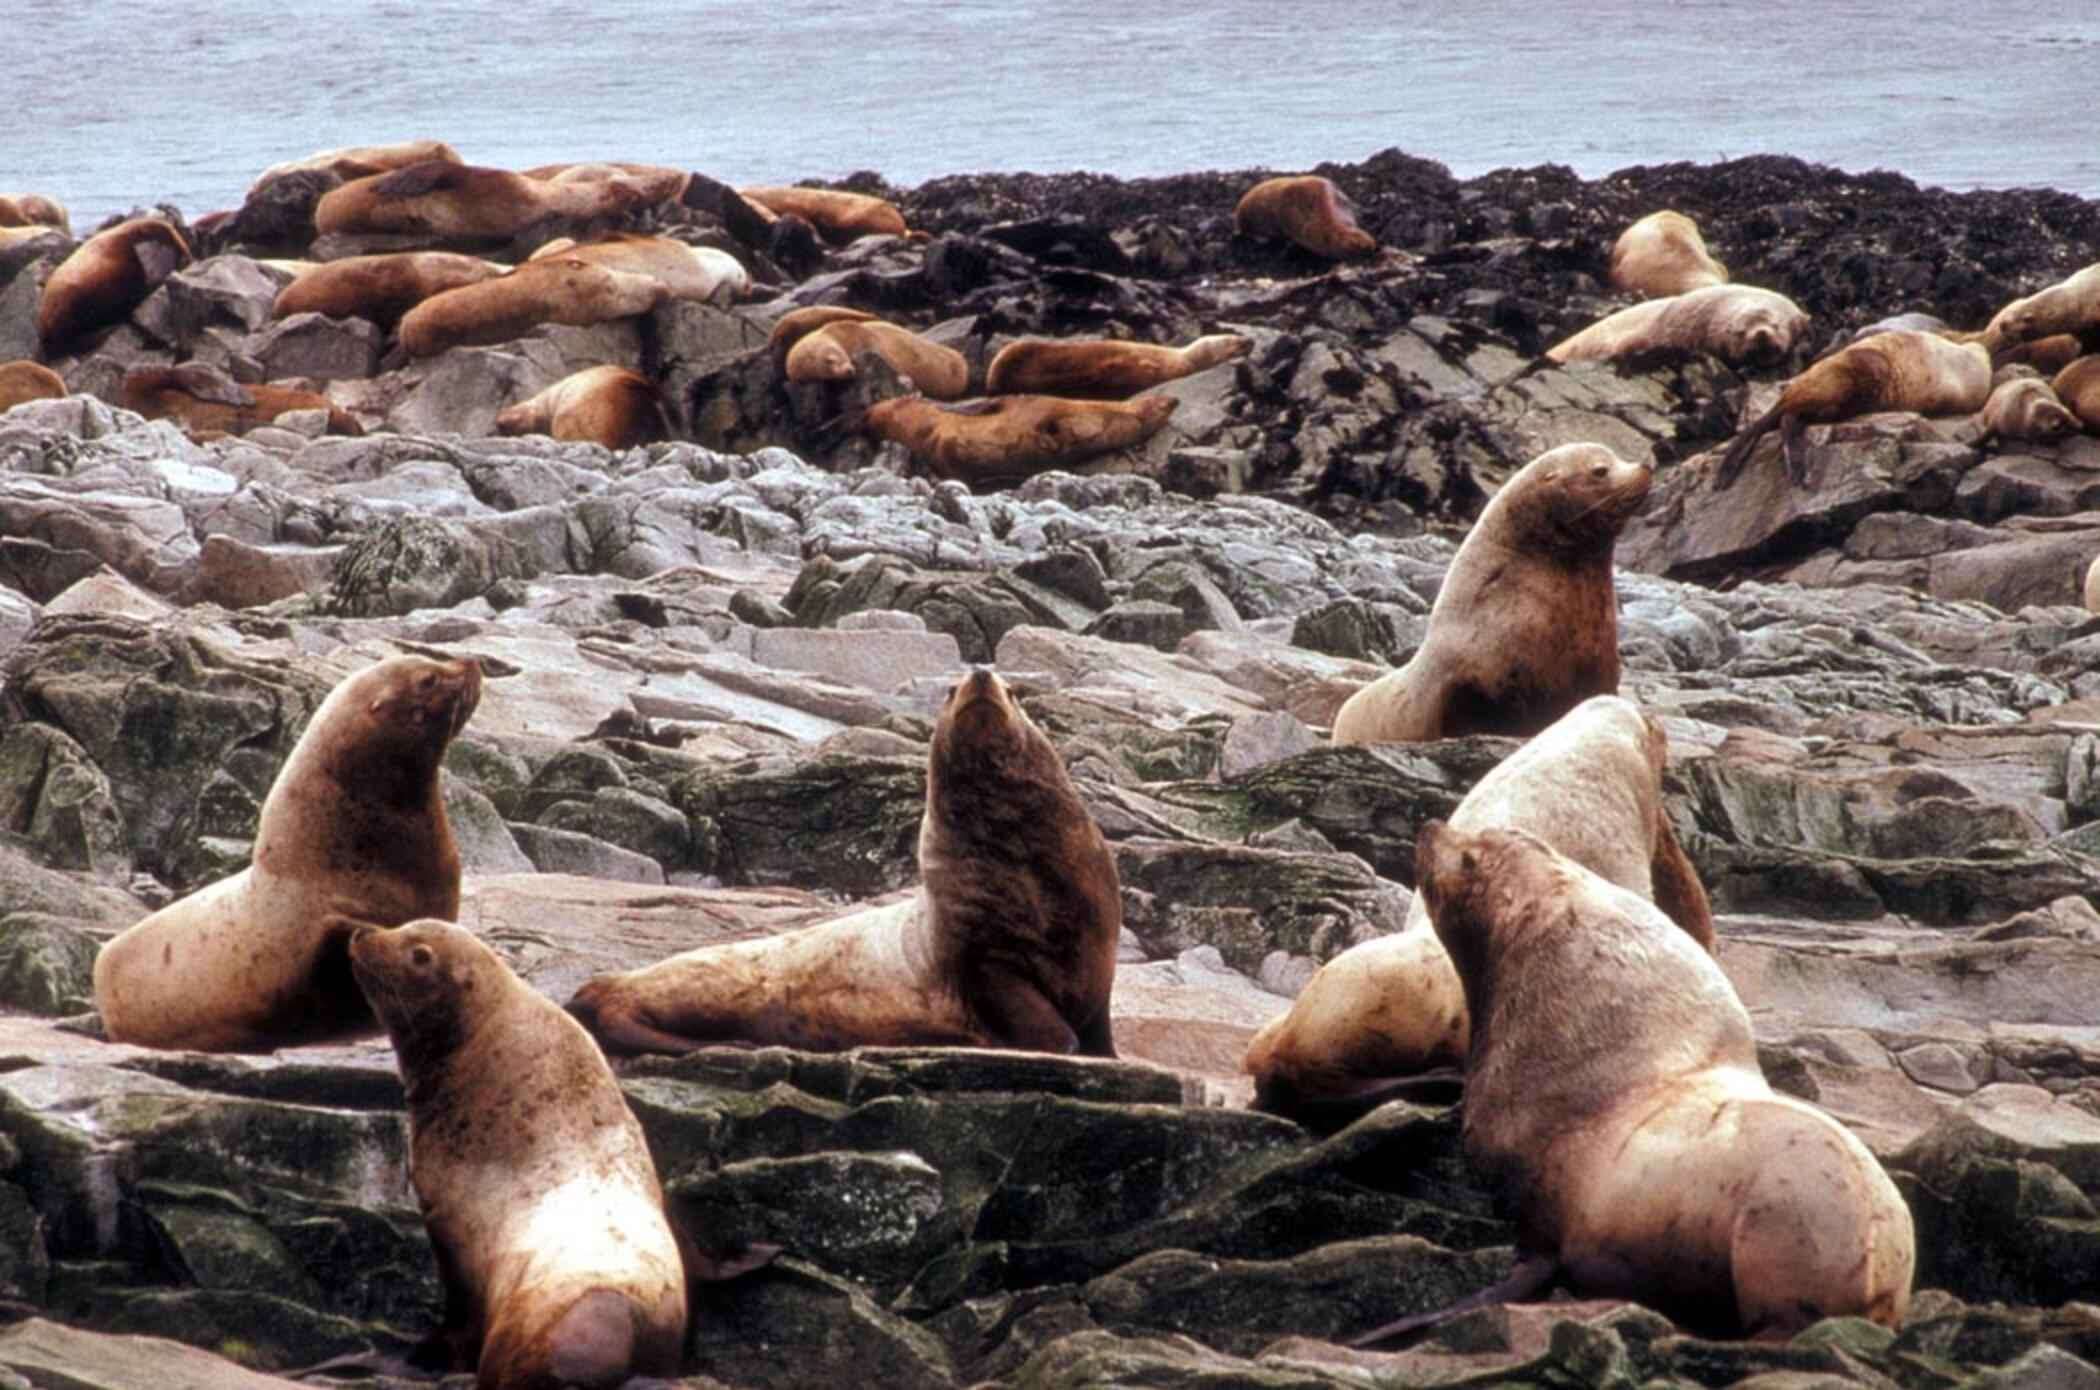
(154, 101)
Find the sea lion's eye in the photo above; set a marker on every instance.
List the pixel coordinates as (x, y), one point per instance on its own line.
(1601, 471)
(421, 955)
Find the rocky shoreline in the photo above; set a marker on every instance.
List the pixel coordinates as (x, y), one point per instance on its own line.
(713, 664)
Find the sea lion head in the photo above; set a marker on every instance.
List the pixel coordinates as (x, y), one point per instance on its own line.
(992, 778)
(1574, 499)
(1471, 881)
(403, 711)
(424, 980)
(819, 356)
(1762, 329)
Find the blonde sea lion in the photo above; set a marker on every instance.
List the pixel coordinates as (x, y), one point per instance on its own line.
(24, 380)
(613, 406)
(1009, 942)
(362, 161)
(2025, 407)
(1103, 368)
(2092, 586)
(1307, 210)
(535, 1180)
(1526, 625)
(379, 288)
(1662, 255)
(826, 353)
(208, 404)
(2071, 305)
(34, 210)
(1898, 370)
(1392, 1008)
(1615, 1106)
(2078, 387)
(463, 201)
(792, 326)
(105, 278)
(840, 216)
(563, 289)
(352, 833)
(1740, 324)
(990, 443)
(687, 272)
(656, 183)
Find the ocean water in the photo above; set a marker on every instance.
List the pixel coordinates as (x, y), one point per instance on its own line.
(186, 102)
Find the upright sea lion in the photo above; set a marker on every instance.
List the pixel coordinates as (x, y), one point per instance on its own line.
(613, 406)
(563, 289)
(535, 1179)
(2078, 387)
(33, 210)
(1392, 1008)
(24, 380)
(352, 833)
(826, 353)
(1922, 372)
(2071, 305)
(840, 216)
(1615, 1105)
(2025, 407)
(687, 272)
(996, 442)
(1009, 942)
(379, 288)
(1106, 369)
(464, 201)
(1663, 254)
(1306, 210)
(1740, 324)
(363, 161)
(794, 325)
(1526, 625)
(207, 403)
(105, 278)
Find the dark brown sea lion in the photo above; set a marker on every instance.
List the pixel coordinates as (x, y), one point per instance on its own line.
(1306, 210)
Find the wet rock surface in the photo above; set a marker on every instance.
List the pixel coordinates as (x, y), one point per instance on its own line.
(713, 665)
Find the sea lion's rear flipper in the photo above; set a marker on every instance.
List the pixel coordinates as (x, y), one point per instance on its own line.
(1331, 1113)
(619, 1030)
(1096, 1039)
(1793, 446)
(1532, 1273)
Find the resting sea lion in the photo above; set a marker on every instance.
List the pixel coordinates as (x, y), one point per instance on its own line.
(826, 353)
(840, 216)
(352, 833)
(613, 406)
(1663, 254)
(1392, 1008)
(105, 278)
(463, 201)
(655, 183)
(989, 443)
(2071, 305)
(687, 272)
(362, 161)
(794, 325)
(1922, 372)
(1009, 942)
(1526, 625)
(534, 1177)
(33, 210)
(2078, 387)
(1740, 324)
(24, 380)
(1615, 1106)
(1107, 369)
(1306, 210)
(379, 288)
(2025, 407)
(207, 403)
(563, 289)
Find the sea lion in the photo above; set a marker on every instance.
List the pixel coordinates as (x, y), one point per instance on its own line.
(379, 288)
(34, 210)
(563, 289)
(208, 404)
(2078, 387)
(1662, 255)
(2048, 355)
(1526, 625)
(1900, 370)
(839, 215)
(826, 354)
(1740, 324)
(1392, 1008)
(105, 278)
(464, 202)
(2092, 586)
(1107, 369)
(24, 380)
(655, 183)
(2025, 407)
(353, 832)
(362, 161)
(2071, 305)
(990, 443)
(613, 406)
(687, 272)
(535, 1180)
(1307, 210)
(1615, 1106)
(1009, 942)
(794, 325)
